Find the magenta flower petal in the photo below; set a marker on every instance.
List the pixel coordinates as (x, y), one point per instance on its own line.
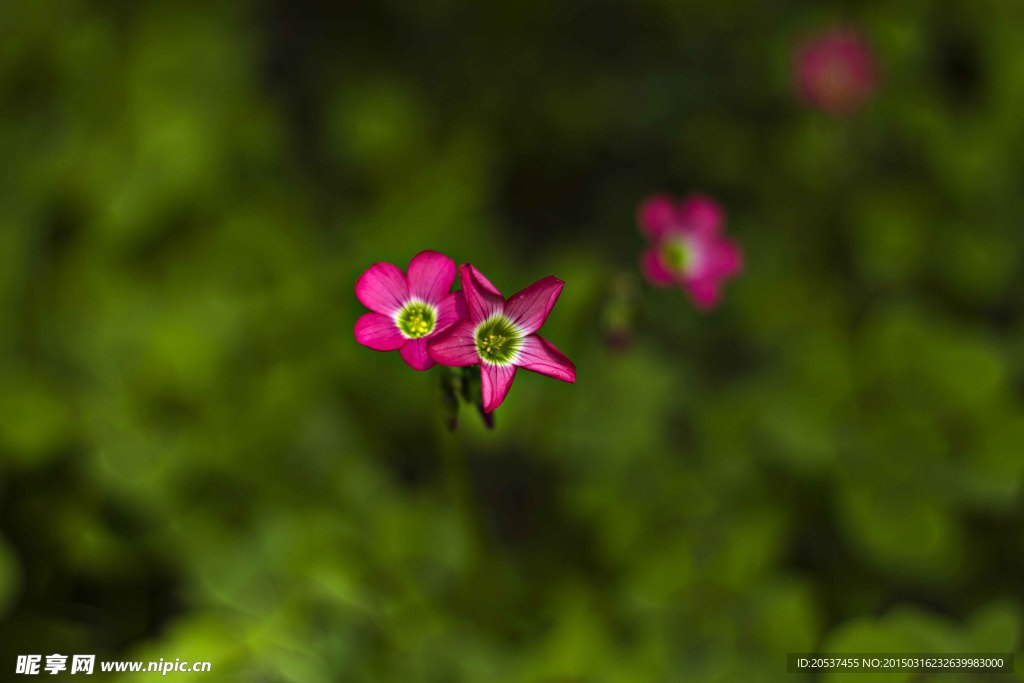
(431, 276)
(451, 309)
(414, 353)
(654, 269)
(728, 259)
(378, 332)
(495, 381)
(483, 282)
(382, 288)
(455, 347)
(482, 298)
(700, 215)
(705, 292)
(656, 216)
(540, 355)
(530, 308)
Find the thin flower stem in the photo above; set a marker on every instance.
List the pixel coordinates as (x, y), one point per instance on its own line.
(460, 491)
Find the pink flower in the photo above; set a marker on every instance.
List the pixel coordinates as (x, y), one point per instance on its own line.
(499, 335)
(687, 247)
(835, 71)
(408, 311)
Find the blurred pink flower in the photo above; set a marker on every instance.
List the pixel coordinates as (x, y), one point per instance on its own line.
(408, 310)
(499, 335)
(687, 247)
(836, 71)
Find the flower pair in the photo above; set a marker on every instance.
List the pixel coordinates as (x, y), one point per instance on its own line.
(418, 315)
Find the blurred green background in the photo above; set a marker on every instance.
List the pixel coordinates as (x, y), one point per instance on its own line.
(198, 461)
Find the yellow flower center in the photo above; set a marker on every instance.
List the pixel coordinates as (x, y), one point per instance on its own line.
(416, 320)
(497, 340)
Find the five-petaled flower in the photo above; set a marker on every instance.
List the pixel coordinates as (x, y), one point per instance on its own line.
(687, 247)
(835, 71)
(410, 310)
(500, 335)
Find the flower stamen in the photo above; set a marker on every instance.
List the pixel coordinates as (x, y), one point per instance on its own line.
(498, 340)
(416, 320)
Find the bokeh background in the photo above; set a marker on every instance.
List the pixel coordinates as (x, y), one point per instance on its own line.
(197, 460)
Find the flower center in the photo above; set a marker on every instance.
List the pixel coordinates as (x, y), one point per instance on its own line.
(677, 255)
(838, 84)
(498, 340)
(416, 319)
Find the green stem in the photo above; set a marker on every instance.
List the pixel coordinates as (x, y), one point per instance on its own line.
(461, 492)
